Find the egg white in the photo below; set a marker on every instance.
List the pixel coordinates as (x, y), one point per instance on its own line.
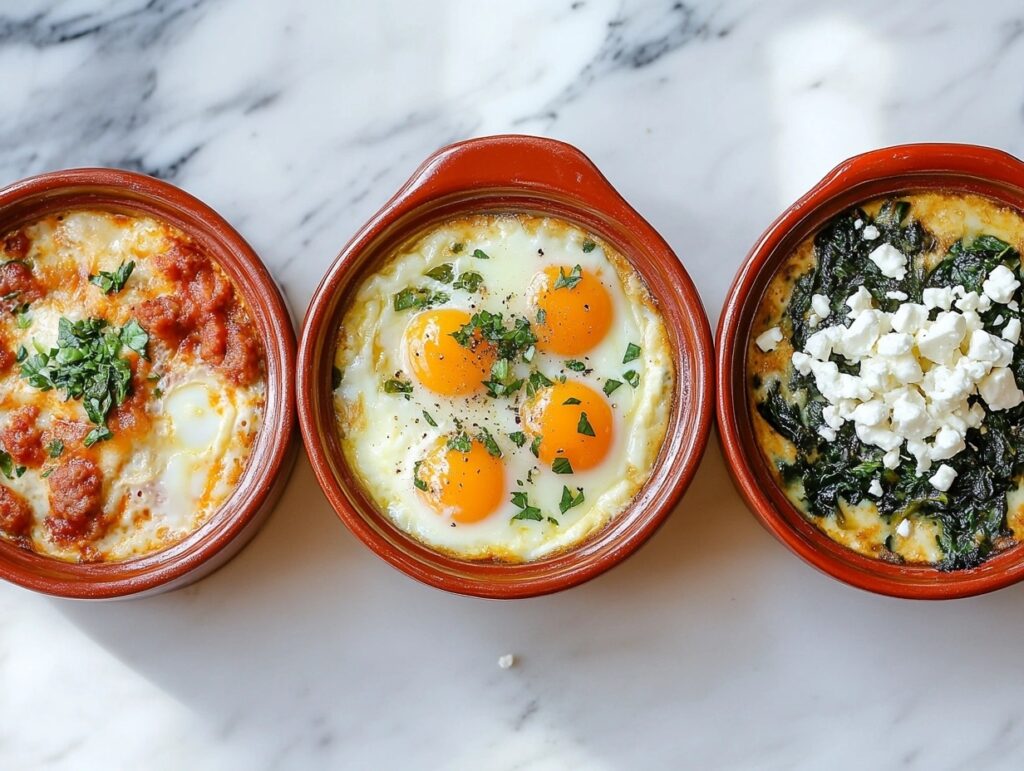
(384, 435)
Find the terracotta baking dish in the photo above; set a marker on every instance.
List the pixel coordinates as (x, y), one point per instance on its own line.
(510, 173)
(893, 170)
(263, 480)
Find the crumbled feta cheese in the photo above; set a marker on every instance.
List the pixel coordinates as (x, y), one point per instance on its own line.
(948, 442)
(937, 297)
(941, 339)
(999, 389)
(910, 415)
(909, 318)
(859, 302)
(767, 341)
(968, 301)
(891, 459)
(890, 261)
(819, 345)
(507, 661)
(875, 488)
(858, 223)
(903, 528)
(1000, 284)
(896, 294)
(821, 305)
(1011, 331)
(826, 433)
(801, 362)
(943, 478)
(830, 414)
(989, 348)
(870, 233)
(1013, 305)
(858, 339)
(894, 344)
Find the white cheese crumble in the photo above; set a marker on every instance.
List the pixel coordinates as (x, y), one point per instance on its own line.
(903, 528)
(767, 341)
(821, 305)
(915, 375)
(942, 478)
(875, 488)
(506, 661)
(870, 233)
(890, 260)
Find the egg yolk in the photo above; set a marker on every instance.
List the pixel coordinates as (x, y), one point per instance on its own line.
(467, 486)
(439, 361)
(575, 316)
(565, 415)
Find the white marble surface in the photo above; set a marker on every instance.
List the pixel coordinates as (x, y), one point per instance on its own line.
(712, 647)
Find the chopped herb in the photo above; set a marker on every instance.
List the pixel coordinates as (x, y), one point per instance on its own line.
(571, 280)
(429, 419)
(588, 246)
(632, 378)
(23, 320)
(396, 386)
(542, 316)
(572, 400)
(480, 254)
(47, 472)
(487, 440)
(55, 448)
(569, 500)
(503, 381)
(521, 501)
(87, 365)
(553, 521)
(158, 392)
(535, 446)
(470, 281)
(575, 365)
(7, 466)
(457, 247)
(418, 298)
(610, 385)
(98, 434)
(561, 466)
(535, 382)
(518, 438)
(420, 484)
(460, 442)
(584, 427)
(336, 376)
(510, 342)
(632, 352)
(443, 273)
(113, 281)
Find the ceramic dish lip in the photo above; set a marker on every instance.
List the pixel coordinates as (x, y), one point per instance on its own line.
(211, 544)
(510, 173)
(899, 169)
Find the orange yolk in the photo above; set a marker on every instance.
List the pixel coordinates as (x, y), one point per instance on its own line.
(575, 318)
(563, 430)
(439, 361)
(467, 486)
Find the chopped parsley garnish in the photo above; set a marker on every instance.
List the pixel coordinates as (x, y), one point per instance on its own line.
(584, 427)
(98, 434)
(427, 417)
(569, 500)
(457, 247)
(521, 501)
(420, 484)
(610, 385)
(632, 352)
(55, 448)
(396, 386)
(87, 365)
(561, 466)
(485, 438)
(418, 298)
(23, 320)
(588, 246)
(518, 438)
(503, 380)
(572, 400)
(575, 365)
(443, 273)
(480, 254)
(571, 280)
(535, 382)
(632, 378)
(470, 281)
(535, 446)
(7, 466)
(542, 316)
(460, 442)
(510, 342)
(336, 376)
(112, 281)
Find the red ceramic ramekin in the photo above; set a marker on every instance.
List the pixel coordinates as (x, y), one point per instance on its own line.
(510, 173)
(893, 170)
(261, 484)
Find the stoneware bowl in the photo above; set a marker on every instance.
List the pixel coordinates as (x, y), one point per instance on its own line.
(238, 519)
(893, 170)
(510, 173)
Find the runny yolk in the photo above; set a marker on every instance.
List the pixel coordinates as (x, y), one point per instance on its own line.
(554, 415)
(467, 486)
(573, 317)
(439, 361)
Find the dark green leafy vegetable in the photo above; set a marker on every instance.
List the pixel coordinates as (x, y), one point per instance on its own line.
(487, 440)
(610, 386)
(569, 500)
(561, 466)
(510, 341)
(521, 501)
(418, 298)
(575, 365)
(588, 246)
(632, 352)
(518, 438)
(470, 281)
(632, 378)
(583, 426)
(113, 281)
(480, 254)
(443, 273)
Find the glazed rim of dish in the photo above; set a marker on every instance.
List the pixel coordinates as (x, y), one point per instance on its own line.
(136, 194)
(889, 171)
(496, 174)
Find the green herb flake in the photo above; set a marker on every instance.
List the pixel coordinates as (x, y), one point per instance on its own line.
(443, 273)
(55, 448)
(112, 282)
(420, 484)
(98, 434)
(470, 281)
(583, 426)
(418, 298)
(458, 247)
(575, 365)
(521, 501)
(561, 466)
(571, 400)
(518, 438)
(430, 420)
(487, 440)
(588, 246)
(569, 500)
(460, 442)
(396, 386)
(632, 378)
(632, 353)
(23, 320)
(610, 386)
(571, 280)
(480, 254)
(535, 446)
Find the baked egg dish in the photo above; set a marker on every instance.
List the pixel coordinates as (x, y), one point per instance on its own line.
(502, 386)
(131, 386)
(885, 373)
